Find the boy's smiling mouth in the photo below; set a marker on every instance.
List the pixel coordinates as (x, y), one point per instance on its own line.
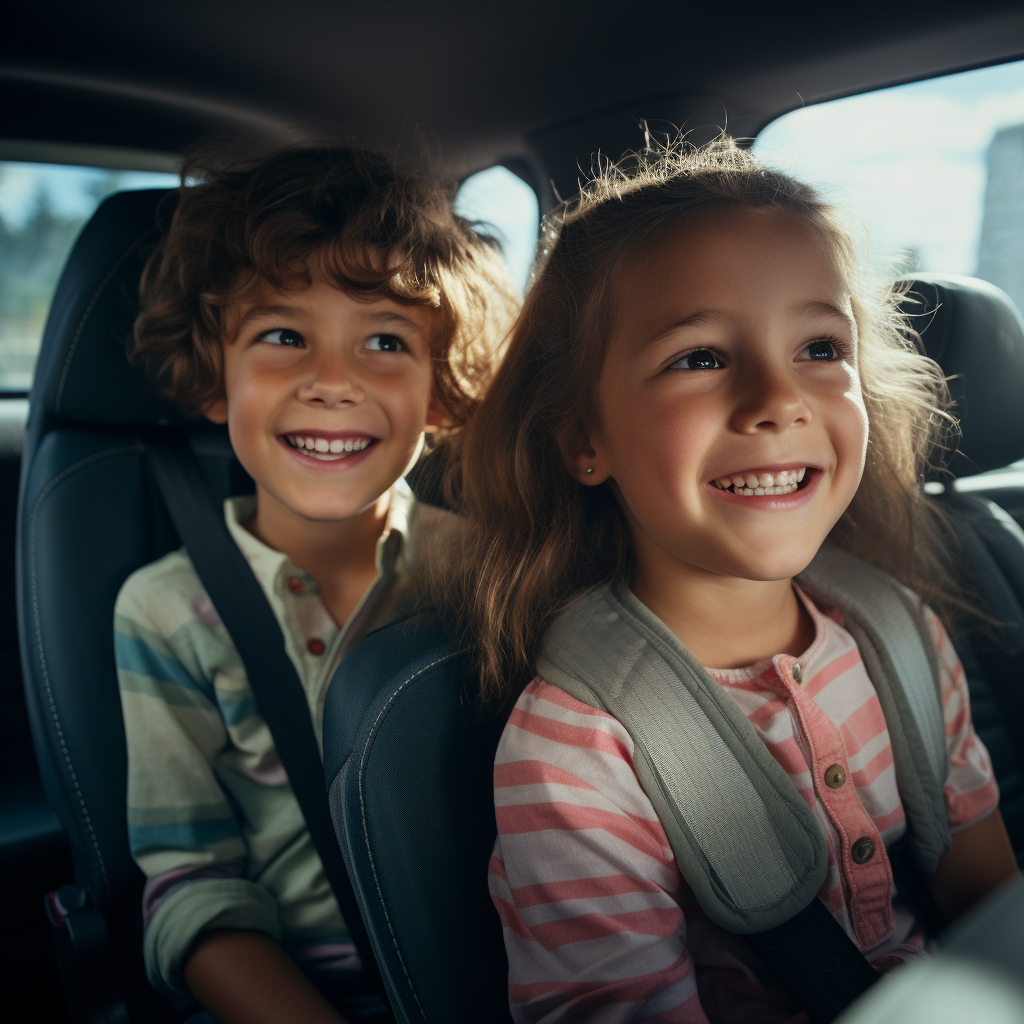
(758, 482)
(326, 447)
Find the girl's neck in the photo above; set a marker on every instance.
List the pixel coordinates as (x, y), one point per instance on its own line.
(724, 621)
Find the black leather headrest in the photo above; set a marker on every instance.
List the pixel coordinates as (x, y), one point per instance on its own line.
(975, 333)
(83, 374)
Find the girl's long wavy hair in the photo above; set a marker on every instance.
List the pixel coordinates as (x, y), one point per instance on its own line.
(533, 537)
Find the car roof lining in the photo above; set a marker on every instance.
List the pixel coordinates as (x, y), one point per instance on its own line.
(469, 83)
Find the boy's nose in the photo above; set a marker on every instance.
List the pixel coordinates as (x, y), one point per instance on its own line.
(770, 402)
(331, 385)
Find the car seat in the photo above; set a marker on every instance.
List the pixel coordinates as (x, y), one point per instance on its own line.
(410, 785)
(89, 515)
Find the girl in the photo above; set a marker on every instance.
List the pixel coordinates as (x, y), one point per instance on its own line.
(702, 388)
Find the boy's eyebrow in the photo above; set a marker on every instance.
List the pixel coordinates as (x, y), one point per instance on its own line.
(265, 312)
(382, 317)
(390, 316)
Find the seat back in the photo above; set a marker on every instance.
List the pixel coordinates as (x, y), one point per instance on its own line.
(88, 517)
(408, 761)
(975, 333)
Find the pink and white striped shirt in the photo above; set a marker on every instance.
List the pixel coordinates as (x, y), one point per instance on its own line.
(599, 924)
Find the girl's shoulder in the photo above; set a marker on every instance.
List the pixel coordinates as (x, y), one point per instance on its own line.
(551, 738)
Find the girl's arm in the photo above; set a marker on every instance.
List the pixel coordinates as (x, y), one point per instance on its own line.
(981, 858)
(979, 862)
(582, 874)
(247, 978)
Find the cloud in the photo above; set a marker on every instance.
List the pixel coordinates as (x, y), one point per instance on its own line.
(908, 162)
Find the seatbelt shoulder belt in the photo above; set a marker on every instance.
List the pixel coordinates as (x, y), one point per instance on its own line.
(247, 616)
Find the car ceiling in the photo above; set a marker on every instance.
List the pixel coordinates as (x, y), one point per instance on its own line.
(482, 83)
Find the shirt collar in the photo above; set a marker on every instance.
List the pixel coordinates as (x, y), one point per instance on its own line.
(272, 568)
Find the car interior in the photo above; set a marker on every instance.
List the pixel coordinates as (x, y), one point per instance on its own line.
(533, 93)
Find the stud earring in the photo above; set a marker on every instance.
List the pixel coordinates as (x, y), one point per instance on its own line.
(590, 469)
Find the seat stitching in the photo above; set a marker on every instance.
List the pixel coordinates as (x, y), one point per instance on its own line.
(39, 643)
(82, 322)
(362, 805)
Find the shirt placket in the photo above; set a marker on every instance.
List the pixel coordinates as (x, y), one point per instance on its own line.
(863, 862)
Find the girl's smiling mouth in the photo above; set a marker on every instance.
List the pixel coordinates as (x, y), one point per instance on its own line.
(328, 447)
(765, 482)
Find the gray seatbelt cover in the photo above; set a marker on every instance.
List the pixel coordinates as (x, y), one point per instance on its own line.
(746, 841)
(900, 658)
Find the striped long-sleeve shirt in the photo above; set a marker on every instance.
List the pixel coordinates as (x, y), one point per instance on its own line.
(599, 924)
(212, 819)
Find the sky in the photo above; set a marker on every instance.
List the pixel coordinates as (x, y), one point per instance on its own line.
(66, 187)
(507, 204)
(907, 162)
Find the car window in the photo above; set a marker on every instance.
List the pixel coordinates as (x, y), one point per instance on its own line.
(42, 209)
(933, 170)
(506, 208)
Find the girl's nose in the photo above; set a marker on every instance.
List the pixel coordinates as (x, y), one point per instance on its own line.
(331, 385)
(770, 402)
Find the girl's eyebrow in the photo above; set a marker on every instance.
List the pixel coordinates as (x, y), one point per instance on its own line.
(825, 309)
(702, 318)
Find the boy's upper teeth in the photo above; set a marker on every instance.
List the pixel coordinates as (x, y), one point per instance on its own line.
(323, 445)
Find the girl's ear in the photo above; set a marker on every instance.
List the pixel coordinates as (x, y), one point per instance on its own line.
(216, 411)
(581, 456)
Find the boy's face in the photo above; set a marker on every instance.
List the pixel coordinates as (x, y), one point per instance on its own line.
(326, 397)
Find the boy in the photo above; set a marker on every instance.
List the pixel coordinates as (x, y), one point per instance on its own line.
(330, 311)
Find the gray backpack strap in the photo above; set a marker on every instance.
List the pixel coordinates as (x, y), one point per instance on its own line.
(898, 653)
(746, 841)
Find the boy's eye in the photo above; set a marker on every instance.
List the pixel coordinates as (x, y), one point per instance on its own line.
(385, 343)
(821, 350)
(281, 336)
(698, 359)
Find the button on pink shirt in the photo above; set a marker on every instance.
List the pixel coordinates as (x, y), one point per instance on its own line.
(594, 908)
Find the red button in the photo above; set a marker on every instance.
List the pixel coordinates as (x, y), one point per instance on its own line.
(295, 585)
(316, 646)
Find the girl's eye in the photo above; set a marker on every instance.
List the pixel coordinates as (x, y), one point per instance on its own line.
(821, 350)
(698, 359)
(385, 343)
(282, 336)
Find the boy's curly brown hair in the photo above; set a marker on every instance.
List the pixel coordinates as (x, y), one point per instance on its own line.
(346, 214)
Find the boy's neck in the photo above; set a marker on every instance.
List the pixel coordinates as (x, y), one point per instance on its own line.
(726, 622)
(339, 554)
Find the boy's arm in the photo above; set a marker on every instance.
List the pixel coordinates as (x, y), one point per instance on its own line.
(183, 830)
(247, 978)
(978, 863)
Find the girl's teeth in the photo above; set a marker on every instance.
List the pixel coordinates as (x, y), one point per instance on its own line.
(337, 446)
(783, 482)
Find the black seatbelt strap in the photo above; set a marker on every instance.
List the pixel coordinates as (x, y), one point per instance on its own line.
(243, 608)
(816, 961)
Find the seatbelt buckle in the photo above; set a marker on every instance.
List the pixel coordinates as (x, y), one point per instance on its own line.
(85, 958)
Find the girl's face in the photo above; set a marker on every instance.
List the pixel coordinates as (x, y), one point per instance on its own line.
(731, 370)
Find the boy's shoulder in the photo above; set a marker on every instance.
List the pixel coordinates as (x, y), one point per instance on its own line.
(164, 594)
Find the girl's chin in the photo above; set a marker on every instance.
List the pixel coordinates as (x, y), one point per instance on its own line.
(769, 566)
